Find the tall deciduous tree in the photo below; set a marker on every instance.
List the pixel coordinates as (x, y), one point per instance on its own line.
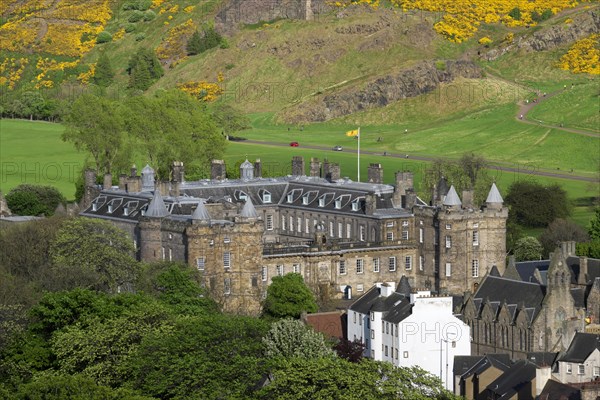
(528, 248)
(95, 252)
(288, 296)
(561, 230)
(96, 126)
(534, 205)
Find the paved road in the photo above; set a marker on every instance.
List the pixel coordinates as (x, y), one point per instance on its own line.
(529, 170)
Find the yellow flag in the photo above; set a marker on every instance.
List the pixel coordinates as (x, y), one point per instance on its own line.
(352, 133)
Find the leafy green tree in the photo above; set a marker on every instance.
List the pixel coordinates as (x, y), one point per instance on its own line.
(288, 296)
(144, 69)
(229, 119)
(350, 350)
(203, 357)
(528, 248)
(594, 226)
(515, 13)
(95, 125)
(34, 200)
(534, 205)
(96, 254)
(104, 73)
(561, 230)
(335, 378)
(181, 129)
(589, 249)
(292, 338)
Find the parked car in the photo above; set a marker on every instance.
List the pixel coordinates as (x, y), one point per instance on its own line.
(294, 144)
(337, 148)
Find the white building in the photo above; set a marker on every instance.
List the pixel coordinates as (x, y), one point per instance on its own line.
(581, 361)
(409, 328)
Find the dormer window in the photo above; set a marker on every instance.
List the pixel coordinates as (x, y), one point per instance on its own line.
(266, 197)
(125, 211)
(338, 204)
(305, 200)
(290, 198)
(110, 208)
(322, 202)
(94, 207)
(355, 206)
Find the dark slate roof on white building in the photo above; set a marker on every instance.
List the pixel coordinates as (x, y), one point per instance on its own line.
(582, 345)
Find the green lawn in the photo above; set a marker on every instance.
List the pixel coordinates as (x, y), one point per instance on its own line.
(32, 152)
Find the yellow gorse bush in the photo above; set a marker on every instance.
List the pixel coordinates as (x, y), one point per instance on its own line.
(173, 47)
(583, 56)
(202, 90)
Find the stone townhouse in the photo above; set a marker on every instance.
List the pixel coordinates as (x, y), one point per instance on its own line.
(341, 235)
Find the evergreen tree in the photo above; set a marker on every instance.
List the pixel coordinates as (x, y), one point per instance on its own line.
(104, 73)
(144, 69)
(195, 45)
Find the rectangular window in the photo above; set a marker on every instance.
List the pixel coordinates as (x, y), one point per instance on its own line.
(360, 266)
(372, 334)
(360, 288)
(392, 264)
(331, 232)
(340, 230)
(342, 267)
(396, 353)
(299, 224)
(404, 223)
(448, 242)
(200, 262)
(421, 263)
(408, 262)
(376, 264)
(389, 224)
(362, 234)
(291, 223)
(348, 231)
(306, 226)
(280, 270)
(448, 269)
(421, 235)
(448, 226)
(475, 238)
(404, 235)
(389, 236)
(476, 225)
(227, 286)
(386, 351)
(283, 226)
(226, 240)
(354, 319)
(475, 269)
(569, 368)
(269, 222)
(387, 328)
(296, 268)
(163, 253)
(372, 316)
(264, 274)
(581, 369)
(596, 371)
(227, 259)
(405, 354)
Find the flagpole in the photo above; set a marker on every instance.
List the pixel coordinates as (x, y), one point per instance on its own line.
(358, 156)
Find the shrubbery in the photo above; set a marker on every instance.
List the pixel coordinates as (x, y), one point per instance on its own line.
(34, 200)
(104, 37)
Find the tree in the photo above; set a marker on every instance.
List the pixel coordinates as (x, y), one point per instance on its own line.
(589, 249)
(534, 205)
(288, 296)
(34, 200)
(229, 119)
(336, 378)
(594, 226)
(96, 125)
(561, 230)
(95, 253)
(144, 69)
(104, 73)
(350, 350)
(195, 45)
(292, 338)
(528, 248)
(181, 130)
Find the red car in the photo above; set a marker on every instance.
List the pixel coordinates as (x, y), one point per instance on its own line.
(294, 144)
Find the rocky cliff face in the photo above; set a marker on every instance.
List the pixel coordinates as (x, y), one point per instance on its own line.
(553, 36)
(234, 13)
(420, 79)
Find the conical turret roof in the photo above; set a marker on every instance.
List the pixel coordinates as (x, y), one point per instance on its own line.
(201, 213)
(249, 211)
(494, 195)
(452, 198)
(157, 207)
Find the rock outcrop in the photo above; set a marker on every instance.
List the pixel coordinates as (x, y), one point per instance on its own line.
(553, 36)
(420, 79)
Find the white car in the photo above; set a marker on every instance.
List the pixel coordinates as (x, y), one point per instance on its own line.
(338, 148)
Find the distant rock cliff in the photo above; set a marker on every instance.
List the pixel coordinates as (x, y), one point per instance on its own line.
(234, 13)
(553, 36)
(420, 79)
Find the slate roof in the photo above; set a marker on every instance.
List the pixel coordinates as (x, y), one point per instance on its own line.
(157, 207)
(201, 213)
(249, 211)
(452, 198)
(526, 269)
(582, 345)
(396, 307)
(554, 390)
(464, 363)
(494, 195)
(514, 293)
(500, 361)
(512, 380)
(542, 359)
